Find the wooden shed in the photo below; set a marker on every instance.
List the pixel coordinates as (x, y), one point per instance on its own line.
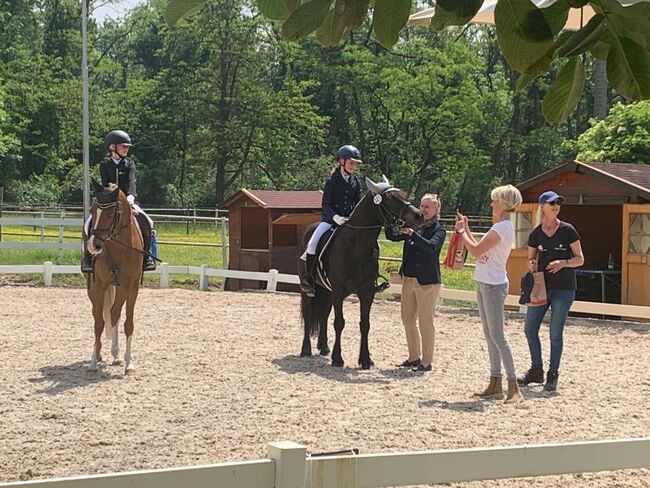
(265, 231)
(609, 205)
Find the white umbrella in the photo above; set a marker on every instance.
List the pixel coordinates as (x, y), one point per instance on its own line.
(577, 16)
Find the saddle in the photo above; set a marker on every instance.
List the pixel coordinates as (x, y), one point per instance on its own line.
(322, 252)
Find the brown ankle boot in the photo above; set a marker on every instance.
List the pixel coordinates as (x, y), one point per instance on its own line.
(494, 389)
(513, 395)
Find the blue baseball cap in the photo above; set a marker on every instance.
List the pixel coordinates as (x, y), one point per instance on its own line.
(550, 196)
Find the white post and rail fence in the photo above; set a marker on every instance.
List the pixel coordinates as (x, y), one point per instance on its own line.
(289, 465)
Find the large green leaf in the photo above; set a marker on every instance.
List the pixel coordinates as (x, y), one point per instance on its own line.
(523, 32)
(600, 50)
(628, 68)
(305, 19)
(274, 9)
(179, 9)
(556, 15)
(355, 13)
(565, 93)
(330, 31)
(388, 19)
(454, 12)
(584, 39)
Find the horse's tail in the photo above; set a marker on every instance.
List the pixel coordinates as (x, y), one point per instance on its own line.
(315, 310)
(109, 298)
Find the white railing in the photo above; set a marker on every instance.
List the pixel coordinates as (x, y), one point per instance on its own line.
(290, 466)
(273, 277)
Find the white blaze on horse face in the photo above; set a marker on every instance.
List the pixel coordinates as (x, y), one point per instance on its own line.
(91, 242)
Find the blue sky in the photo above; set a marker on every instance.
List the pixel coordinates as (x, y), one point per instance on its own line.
(114, 10)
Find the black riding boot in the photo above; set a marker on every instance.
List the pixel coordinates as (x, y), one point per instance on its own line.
(307, 283)
(87, 262)
(148, 262)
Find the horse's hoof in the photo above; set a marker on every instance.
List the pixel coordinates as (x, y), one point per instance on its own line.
(129, 371)
(304, 354)
(325, 352)
(337, 364)
(118, 362)
(366, 366)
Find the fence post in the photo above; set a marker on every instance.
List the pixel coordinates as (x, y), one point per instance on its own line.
(203, 278)
(42, 227)
(47, 273)
(164, 275)
(290, 460)
(272, 282)
(59, 253)
(224, 244)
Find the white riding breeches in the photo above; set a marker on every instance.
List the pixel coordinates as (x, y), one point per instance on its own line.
(315, 237)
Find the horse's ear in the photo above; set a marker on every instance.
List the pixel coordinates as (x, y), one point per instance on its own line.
(115, 194)
(97, 188)
(385, 179)
(372, 186)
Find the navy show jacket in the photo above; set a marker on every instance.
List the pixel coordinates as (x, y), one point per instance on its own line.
(122, 174)
(340, 196)
(421, 254)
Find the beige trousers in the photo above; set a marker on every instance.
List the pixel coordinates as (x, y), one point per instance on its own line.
(418, 306)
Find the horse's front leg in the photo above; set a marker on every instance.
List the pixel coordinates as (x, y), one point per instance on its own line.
(98, 316)
(307, 318)
(128, 329)
(339, 324)
(365, 303)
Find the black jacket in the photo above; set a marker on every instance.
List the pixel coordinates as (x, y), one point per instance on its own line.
(421, 254)
(122, 174)
(340, 196)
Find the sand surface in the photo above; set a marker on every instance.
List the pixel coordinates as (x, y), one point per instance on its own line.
(218, 376)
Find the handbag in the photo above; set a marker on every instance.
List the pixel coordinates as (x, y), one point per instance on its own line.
(533, 289)
(456, 252)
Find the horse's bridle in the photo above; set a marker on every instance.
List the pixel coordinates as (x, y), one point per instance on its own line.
(112, 229)
(386, 215)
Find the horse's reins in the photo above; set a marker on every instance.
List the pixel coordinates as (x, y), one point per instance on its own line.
(393, 219)
(113, 230)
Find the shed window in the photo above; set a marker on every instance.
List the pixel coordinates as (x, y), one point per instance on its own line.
(523, 222)
(639, 234)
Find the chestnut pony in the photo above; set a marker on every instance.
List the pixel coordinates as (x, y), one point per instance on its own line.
(117, 245)
(352, 265)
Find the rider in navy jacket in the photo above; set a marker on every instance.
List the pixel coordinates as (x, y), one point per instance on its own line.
(341, 194)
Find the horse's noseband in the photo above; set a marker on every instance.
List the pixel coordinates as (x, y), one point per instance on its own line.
(392, 218)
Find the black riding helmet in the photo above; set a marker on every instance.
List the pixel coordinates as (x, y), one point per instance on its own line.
(116, 137)
(349, 152)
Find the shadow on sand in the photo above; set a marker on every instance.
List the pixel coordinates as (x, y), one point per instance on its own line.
(60, 378)
(320, 365)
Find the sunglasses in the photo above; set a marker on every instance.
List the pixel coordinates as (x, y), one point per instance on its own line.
(556, 202)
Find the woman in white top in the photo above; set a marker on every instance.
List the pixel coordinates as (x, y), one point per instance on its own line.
(491, 254)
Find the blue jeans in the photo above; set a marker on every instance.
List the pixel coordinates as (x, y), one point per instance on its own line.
(559, 302)
(490, 307)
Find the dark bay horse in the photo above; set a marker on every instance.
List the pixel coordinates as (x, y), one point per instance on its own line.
(352, 266)
(117, 245)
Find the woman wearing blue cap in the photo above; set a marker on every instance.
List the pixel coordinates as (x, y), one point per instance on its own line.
(554, 248)
(341, 194)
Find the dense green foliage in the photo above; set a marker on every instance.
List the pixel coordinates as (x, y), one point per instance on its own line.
(624, 136)
(222, 102)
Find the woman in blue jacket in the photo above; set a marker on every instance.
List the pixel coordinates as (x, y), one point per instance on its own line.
(341, 194)
(420, 272)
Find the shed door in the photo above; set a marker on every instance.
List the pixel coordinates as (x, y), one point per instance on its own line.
(635, 262)
(524, 220)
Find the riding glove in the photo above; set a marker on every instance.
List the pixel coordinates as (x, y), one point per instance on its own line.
(338, 220)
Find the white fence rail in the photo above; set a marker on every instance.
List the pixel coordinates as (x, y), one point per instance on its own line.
(273, 277)
(289, 466)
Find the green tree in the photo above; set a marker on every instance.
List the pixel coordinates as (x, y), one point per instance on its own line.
(623, 136)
